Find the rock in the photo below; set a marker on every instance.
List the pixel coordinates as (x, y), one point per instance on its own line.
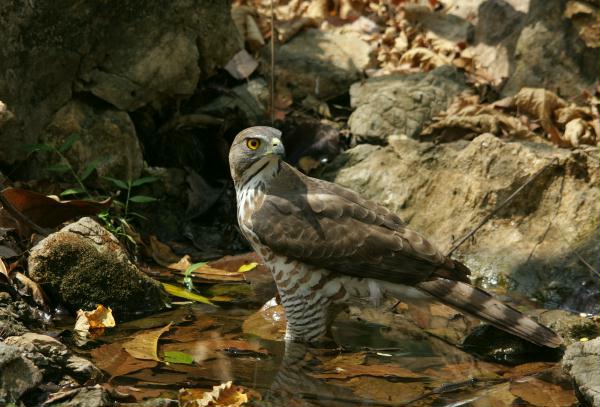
(105, 134)
(532, 246)
(18, 374)
(570, 326)
(251, 98)
(132, 54)
(322, 64)
(53, 358)
(83, 265)
(89, 396)
(581, 363)
(17, 317)
(401, 104)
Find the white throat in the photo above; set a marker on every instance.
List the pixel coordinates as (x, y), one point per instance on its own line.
(258, 174)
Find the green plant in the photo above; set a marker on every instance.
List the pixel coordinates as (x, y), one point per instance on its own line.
(118, 223)
(64, 165)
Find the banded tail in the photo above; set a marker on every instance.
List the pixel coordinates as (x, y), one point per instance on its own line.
(484, 306)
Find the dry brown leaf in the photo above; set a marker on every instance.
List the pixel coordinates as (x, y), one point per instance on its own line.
(350, 359)
(37, 293)
(541, 104)
(377, 389)
(99, 318)
(424, 58)
(267, 323)
(144, 345)
(585, 19)
(224, 395)
(162, 253)
(578, 132)
(244, 19)
(543, 394)
(564, 115)
(115, 361)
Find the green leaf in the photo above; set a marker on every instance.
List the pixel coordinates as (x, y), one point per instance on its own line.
(72, 191)
(58, 168)
(181, 292)
(173, 356)
(68, 143)
(193, 267)
(32, 148)
(142, 199)
(143, 180)
(117, 182)
(137, 215)
(87, 171)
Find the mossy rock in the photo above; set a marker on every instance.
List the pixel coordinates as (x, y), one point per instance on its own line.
(83, 265)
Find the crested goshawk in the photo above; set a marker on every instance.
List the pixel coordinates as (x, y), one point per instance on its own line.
(326, 245)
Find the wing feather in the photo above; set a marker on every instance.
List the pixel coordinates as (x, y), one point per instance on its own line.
(328, 226)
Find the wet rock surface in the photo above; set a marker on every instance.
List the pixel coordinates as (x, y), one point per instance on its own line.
(18, 374)
(401, 104)
(581, 363)
(83, 265)
(532, 246)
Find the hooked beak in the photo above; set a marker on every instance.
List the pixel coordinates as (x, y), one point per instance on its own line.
(277, 148)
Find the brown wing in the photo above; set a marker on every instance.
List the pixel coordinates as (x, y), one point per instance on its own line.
(328, 226)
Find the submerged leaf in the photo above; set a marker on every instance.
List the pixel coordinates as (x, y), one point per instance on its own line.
(144, 345)
(181, 292)
(178, 357)
(114, 360)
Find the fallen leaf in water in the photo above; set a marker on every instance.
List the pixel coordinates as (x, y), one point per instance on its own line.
(178, 357)
(99, 318)
(176, 316)
(162, 253)
(190, 333)
(115, 361)
(383, 370)
(267, 323)
(340, 361)
(182, 292)
(543, 394)
(527, 369)
(144, 345)
(460, 371)
(47, 212)
(224, 395)
(382, 390)
(496, 396)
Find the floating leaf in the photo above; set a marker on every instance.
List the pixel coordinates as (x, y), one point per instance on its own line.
(114, 360)
(267, 323)
(181, 292)
(178, 357)
(224, 395)
(543, 394)
(144, 345)
(142, 199)
(384, 370)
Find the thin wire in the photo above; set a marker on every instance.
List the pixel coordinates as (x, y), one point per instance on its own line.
(272, 63)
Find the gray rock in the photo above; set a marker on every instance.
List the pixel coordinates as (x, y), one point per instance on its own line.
(89, 396)
(581, 363)
(17, 317)
(53, 358)
(18, 374)
(533, 245)
(322, 64)
(105, 134)
(401, 104)
(568, 325)
(131, 54)
(83, 265)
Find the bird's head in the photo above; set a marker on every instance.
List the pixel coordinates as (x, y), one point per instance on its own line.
(252, 145)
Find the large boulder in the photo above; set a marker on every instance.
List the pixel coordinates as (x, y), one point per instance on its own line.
(581, 363)
(537, 245)
(401, 104)
(106, 136)
(321, 64)
(83, 265)
(131, 54)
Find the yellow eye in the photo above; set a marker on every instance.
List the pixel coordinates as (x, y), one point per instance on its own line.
(253, 143)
